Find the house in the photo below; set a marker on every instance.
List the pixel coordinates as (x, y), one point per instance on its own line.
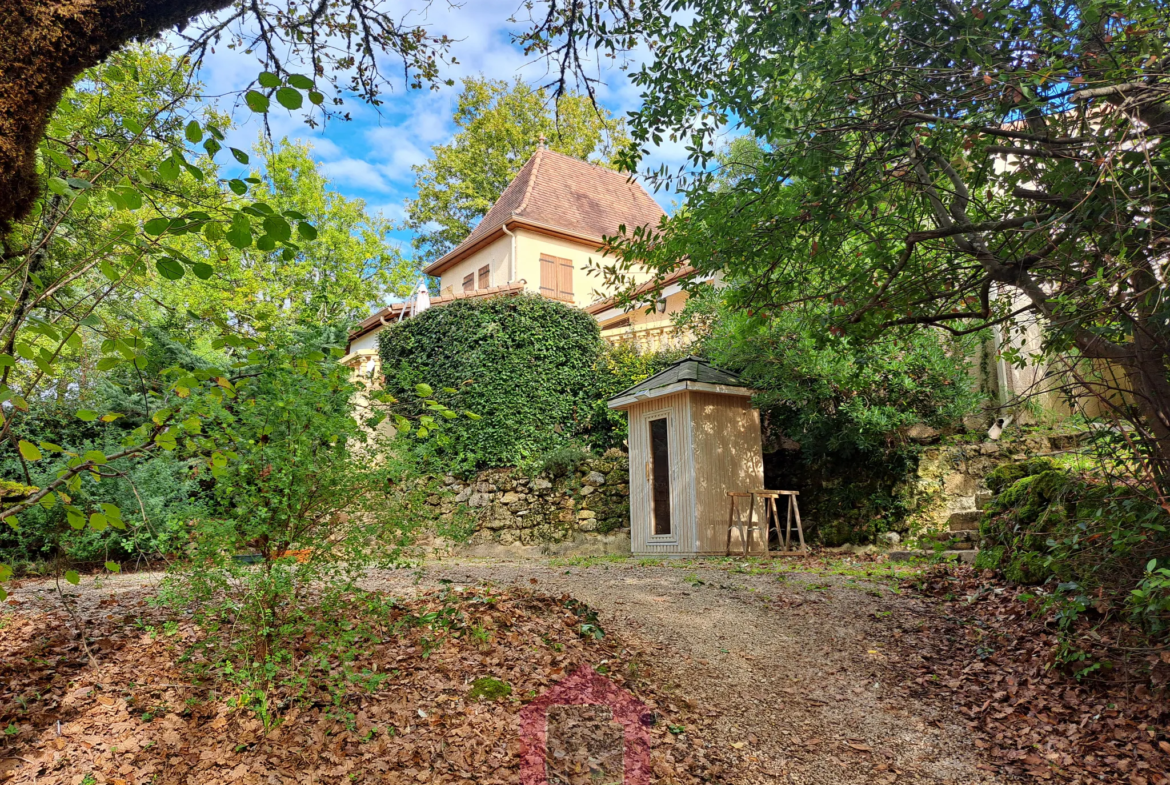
(545, 235)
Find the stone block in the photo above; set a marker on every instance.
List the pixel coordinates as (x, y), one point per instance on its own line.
(982, 499)
(463, 495)
(586, 515)
(541, 484)
(595, 478)
(511, 497)
(967, 520)
(478, 500)
(587, 490)
(957, 484)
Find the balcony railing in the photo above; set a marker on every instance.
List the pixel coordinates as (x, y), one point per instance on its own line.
(649, 338)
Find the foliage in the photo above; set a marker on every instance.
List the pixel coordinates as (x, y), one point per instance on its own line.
(619, 368)
(563, 461)
(522, 364)
(489, 689)
(500, 125)
(303, 496)
(883, 200)
(1097, 545)
(347, 265)
(834, 409)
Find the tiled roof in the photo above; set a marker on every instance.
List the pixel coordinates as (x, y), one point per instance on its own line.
(564, 194)
(391, 312)
(688, 369)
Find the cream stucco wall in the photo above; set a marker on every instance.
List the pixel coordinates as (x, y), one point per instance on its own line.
(495, 254)
(529, 247)
(586, 288)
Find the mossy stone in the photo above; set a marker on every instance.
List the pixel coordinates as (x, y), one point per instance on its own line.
(489, 689)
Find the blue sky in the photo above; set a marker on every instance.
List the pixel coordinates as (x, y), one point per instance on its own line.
(370, 157)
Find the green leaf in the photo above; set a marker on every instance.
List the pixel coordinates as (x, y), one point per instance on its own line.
(113, 566)
(300, 82)
(58, 186)
(240, 233)
(77, 184)
(7, 360)
(169, 269)
(28, 450)
(257, 102)
(424, 390)
(156, 226)
(108, 363)
(193, 132)
(268, 79)
(168, 170)
(72, 577)
(1151, 565)
(316, 98)
(132, 125)
(50, 447)
(289, 98)
(276, 226)
(306, 231)
(108, 270)
(113, 73)
(202, 270)
(98, 522)
(239, 155)
(239, 187)
(86, 415)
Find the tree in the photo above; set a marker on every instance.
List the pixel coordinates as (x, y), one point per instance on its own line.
(346, 267)
(932, 165)
(500, 127)
(46, 44)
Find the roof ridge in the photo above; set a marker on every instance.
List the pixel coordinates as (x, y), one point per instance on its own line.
(531, 181)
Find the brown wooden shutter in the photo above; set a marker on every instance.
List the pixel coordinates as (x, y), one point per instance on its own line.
(469, 282)
(484, 276)
(565, 278)
(548, 276)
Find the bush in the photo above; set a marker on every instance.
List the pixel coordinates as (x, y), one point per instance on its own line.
(833, 410)
(618, 368)
(524, 365)
(562, 461)
(1099, 546)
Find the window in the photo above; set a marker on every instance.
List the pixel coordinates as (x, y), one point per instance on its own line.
(469, 282)
(556, 277)
(659, 477)
(485, 275)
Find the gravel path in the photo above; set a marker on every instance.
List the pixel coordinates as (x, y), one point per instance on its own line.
(788, 664)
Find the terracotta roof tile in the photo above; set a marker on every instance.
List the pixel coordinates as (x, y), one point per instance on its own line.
(566, 194)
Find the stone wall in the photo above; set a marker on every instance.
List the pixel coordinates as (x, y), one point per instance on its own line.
(949, 483)
(586, 510)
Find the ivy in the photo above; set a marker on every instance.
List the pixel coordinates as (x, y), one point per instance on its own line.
(524, 364)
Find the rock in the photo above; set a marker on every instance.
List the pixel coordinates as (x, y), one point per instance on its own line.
(511, 497)
(586, 515)
(449, 479)
(588, 526)
(434, 500)
(922, 433)
(989, 448)
(957, 484)
(541, 484)
(566, 516)
(595, 478)
(982, 499)
(463, 495)
(478, 499)
(587, 490)
(484, 487)
(889, 538)
(967, 520)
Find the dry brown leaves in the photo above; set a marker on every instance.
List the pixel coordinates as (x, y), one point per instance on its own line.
(137, 718)
(992, 659)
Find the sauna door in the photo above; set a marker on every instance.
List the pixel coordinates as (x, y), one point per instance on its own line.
(658, 474)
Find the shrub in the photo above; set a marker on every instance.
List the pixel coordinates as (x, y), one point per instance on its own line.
(562, 461)
(523, 364)
(618, 368)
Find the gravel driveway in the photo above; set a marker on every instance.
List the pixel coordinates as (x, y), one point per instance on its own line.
(786, 662)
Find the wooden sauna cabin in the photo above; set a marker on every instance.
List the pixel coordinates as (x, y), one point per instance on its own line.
(693, 436)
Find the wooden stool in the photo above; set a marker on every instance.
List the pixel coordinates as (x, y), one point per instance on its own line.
(772, 520)
(735, 521)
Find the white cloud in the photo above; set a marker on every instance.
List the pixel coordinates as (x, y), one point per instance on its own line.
(355, 172)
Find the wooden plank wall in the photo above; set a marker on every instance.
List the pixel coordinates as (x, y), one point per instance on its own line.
(729, 457)
(682, 487)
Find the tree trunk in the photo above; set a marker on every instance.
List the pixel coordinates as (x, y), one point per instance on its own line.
(44, 46)
(1149, 377)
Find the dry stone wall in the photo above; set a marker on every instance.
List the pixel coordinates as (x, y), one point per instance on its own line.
(586, 510)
